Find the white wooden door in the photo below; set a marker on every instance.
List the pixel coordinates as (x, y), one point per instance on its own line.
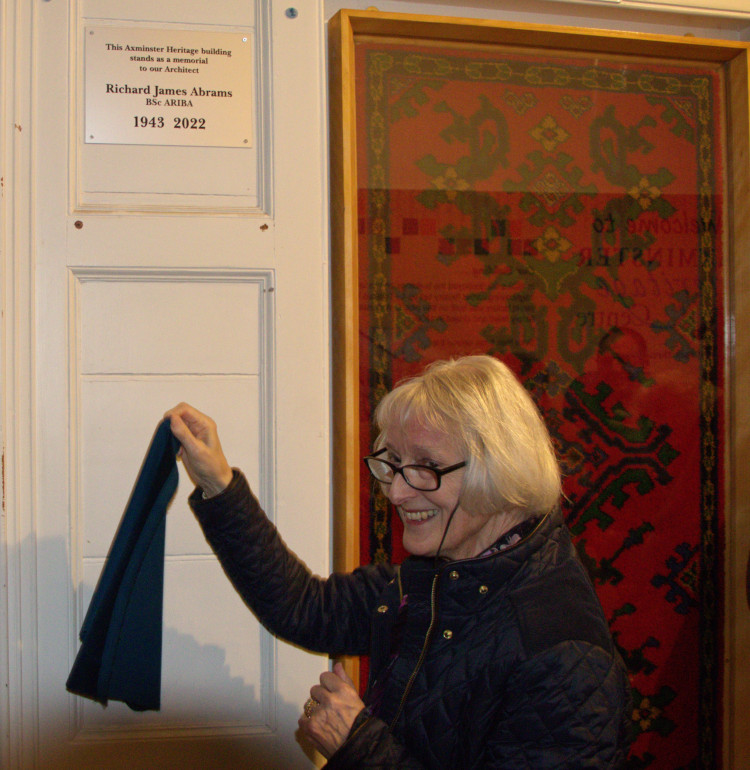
(154, 274)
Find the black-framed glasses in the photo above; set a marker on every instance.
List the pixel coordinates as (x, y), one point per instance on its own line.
(420, 477)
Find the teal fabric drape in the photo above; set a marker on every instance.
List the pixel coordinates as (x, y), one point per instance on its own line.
(121, 636)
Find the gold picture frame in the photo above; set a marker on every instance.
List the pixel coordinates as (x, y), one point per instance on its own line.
(346, 30)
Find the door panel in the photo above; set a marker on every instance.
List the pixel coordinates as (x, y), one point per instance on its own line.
(170, 177)
(165, 274)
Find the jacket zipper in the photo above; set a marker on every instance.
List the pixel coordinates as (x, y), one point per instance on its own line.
(433, 622)
(422, 654)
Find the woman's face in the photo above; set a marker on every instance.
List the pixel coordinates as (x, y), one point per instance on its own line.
(425, 514)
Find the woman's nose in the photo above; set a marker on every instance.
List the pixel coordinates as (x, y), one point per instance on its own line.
(399, 491)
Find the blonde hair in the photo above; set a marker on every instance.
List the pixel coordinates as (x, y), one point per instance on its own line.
(479, 403)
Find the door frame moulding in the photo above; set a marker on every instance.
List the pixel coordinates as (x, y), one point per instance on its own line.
(18, 662)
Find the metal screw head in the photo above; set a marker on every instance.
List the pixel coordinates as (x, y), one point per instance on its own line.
(292, 13)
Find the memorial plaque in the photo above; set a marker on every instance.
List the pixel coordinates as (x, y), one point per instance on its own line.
(168, 87)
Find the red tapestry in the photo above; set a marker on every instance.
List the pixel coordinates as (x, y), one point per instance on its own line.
(565, 215)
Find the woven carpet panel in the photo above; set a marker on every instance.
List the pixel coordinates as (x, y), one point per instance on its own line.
(565, 214)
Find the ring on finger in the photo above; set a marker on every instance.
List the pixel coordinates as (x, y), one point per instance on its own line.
(310, 705)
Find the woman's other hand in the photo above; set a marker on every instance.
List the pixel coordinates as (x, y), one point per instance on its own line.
(201, 452)
(336, 705)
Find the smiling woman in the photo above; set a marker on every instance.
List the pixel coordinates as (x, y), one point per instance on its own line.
(488, 646)
(496, 426)
(472, 413)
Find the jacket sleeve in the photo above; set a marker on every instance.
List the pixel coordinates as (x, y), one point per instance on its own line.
(371, 745)
(324, 615)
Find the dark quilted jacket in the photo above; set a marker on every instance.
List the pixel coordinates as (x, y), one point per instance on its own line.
(505, 661)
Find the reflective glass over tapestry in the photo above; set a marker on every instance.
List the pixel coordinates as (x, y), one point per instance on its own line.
(565, 213)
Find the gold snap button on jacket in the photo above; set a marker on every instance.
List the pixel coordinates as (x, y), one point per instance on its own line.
(447, 634)
(383, 608)
(453, 575)
(483, 589)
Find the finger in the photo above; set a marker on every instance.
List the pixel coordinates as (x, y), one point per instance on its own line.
(306, 728)
(193, 428)
(181, 409)
(334, 683)
(199, 423)
(168, 414)
(321, 694)
(329, 682)
(182, 432)
(340, 671)
(195, 420)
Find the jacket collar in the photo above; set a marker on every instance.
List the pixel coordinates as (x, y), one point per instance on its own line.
(499, 566)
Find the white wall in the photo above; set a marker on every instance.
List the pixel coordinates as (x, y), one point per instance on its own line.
(601, 14)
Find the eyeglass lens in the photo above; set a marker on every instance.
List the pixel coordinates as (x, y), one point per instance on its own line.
(417, 476)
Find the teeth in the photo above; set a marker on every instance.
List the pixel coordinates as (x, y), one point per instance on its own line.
(419, 515)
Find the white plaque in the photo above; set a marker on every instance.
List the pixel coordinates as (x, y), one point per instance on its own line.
(173, 87)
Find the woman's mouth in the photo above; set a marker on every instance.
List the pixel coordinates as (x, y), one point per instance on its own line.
(418, 516)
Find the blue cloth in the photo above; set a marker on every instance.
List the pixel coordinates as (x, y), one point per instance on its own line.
(121, 635)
